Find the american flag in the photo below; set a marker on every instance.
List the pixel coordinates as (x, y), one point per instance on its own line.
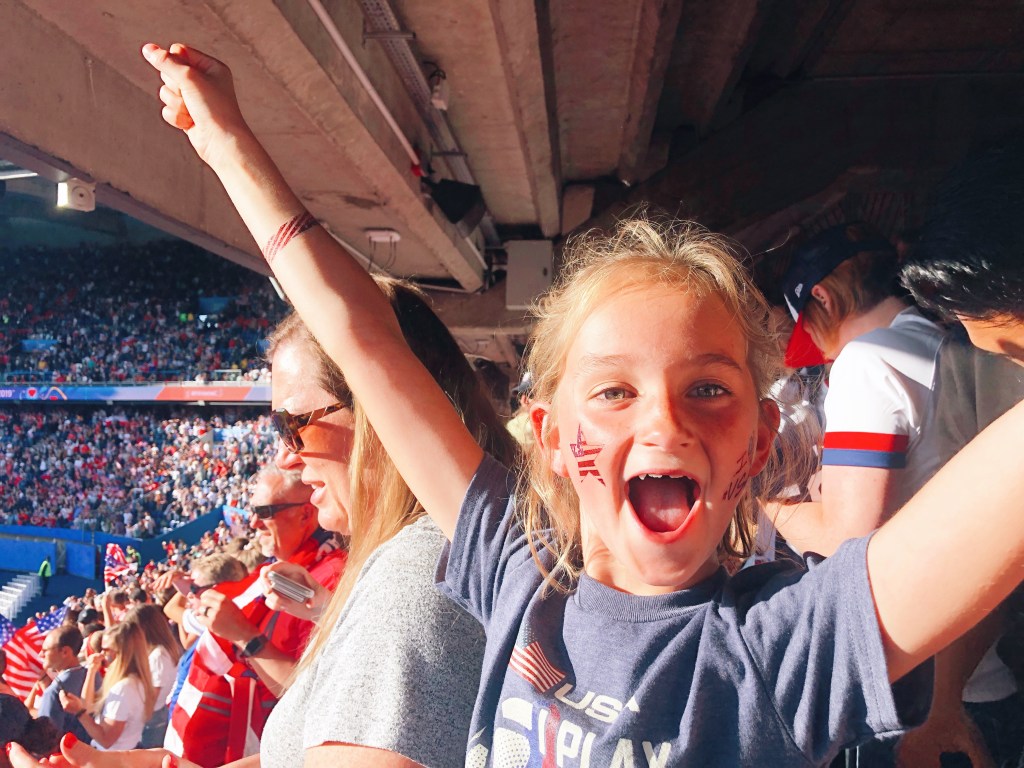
(7, 630)
(24, 649)
(115, 564)
(530, 663)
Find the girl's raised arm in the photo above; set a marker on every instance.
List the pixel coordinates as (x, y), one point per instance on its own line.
(336, 298)
(955, 551)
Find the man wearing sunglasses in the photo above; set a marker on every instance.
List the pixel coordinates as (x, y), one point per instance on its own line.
(248, 651)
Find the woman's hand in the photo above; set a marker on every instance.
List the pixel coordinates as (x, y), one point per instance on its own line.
(199, 98)
(94, 663)
(166, 579)
(309, 610)
(73, 705)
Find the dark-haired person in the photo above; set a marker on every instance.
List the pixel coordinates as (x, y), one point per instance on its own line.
(87, 617)
(37, 736)
(842, 291)
(969, 261)
(60, 658)
(968, 266)
(45, 572)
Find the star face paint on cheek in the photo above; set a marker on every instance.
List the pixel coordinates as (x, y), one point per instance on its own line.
(581, 450)
(742, 474)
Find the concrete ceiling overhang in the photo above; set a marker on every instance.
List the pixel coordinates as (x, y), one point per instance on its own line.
(762, 118)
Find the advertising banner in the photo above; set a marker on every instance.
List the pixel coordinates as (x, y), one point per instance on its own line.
(147, 393)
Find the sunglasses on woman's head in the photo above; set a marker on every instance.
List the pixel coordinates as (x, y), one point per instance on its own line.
(288, 425)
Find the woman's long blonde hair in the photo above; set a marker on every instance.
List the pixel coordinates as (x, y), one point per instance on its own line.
(155, 628)
(131, 659)
(639, 253)
(381, 504)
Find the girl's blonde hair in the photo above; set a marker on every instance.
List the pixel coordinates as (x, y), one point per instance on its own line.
(131, 660)
(381, 504)
(640, 252)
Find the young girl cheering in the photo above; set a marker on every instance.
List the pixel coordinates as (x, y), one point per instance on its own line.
(614, 637)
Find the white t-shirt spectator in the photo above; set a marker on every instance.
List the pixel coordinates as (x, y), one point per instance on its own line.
(126, 704)
(163, 670)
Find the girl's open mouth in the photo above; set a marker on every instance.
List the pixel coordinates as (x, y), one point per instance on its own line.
(662, 502)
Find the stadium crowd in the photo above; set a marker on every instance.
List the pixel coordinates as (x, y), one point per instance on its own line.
(136, 472)
(131, 313)
(91, 638)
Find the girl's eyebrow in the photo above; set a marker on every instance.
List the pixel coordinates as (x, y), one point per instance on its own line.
(716, 358)
(590, 363)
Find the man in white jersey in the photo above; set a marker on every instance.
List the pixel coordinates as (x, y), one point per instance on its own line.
(841, 290)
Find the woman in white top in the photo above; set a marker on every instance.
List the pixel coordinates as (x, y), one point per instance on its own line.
(164, 652)
(126, 699)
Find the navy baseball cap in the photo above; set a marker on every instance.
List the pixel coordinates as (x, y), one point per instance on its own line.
(812, 263)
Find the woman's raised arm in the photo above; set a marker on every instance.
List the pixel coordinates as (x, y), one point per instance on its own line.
(335, 297)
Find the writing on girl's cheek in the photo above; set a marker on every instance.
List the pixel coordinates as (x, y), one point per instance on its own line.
(742, 473)
(581, 450)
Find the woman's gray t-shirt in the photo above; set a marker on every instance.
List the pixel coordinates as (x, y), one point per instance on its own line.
(400, 671)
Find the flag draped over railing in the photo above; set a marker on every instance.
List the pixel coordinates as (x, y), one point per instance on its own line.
(24, 649)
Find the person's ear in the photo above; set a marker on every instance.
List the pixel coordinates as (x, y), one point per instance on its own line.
(823, 297)
(767, 430)
(545, 434)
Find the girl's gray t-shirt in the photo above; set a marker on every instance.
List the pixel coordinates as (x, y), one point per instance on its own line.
(776, 666)
(400, 671)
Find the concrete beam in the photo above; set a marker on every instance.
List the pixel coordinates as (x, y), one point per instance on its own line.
(313, 74)
(813, 31)
(655, 35)
(822, 130)
(712, 47)
(524, 41)
(64, 112)
(79, 97)
(593, 50)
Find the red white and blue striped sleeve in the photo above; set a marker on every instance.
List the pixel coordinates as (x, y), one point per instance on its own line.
(865, 449)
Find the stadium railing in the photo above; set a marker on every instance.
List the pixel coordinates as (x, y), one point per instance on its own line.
(23, 547)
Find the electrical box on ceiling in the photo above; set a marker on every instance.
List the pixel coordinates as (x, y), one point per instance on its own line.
(529, 272)
(77, 195)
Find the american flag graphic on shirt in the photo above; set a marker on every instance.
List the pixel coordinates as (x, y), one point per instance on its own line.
(530, 663)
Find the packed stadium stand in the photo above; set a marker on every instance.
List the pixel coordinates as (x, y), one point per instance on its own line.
(127, 326)
(164, 311)
(138, 471)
